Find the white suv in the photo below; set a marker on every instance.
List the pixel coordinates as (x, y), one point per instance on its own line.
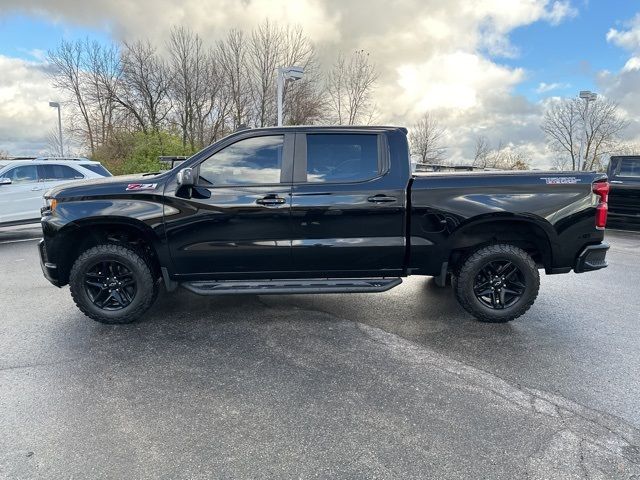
(24, 182)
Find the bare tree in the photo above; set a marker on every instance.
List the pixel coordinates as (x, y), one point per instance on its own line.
(481, 152)
(350, 85)
(264, 57)
(103, 67)
(426, 139)
(203, 92)
(569, 123)
(143, 89)
(627, 148)
(507, 158)
(503, 157)
(561, 162)
(195, 84)
(68, 74)
(303, 100)
(232, 55)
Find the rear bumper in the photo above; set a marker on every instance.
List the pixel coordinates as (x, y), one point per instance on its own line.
(50, 270)
(592, 257)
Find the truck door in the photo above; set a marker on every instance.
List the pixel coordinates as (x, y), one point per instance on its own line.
(347, 210)
(243, 229)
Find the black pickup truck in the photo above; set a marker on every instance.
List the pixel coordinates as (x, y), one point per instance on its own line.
(624, 197)
(319, 210)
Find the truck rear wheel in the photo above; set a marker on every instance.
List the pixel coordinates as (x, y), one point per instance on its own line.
(112, 284)
(497, 283)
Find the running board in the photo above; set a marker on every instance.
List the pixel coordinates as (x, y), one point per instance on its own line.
(273, 287)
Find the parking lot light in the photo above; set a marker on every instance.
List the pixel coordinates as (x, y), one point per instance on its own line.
(286, 73)
(57, 105)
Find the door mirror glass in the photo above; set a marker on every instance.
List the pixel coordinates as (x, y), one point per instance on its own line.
(185, 177)
(5, 181)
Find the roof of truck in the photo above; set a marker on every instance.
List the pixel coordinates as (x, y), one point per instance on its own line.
(326, 127)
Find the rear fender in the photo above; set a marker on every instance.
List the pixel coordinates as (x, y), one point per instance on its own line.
(508, 228)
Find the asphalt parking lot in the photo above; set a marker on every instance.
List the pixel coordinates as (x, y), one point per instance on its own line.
(403, 384)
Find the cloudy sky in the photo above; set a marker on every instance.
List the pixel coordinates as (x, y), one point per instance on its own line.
(484, 67)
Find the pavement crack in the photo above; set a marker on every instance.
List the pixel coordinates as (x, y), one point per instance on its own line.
(41, 364)
(605, 435)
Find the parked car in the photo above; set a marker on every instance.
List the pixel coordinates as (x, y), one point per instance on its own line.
(624, 197)
(23, 183)
(319, 210)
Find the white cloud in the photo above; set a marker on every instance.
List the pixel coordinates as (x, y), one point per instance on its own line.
(560, 11)
(431, 54)
(25, 116)
(629, 38)
(632, 64)
(622, 86)
(549, 87)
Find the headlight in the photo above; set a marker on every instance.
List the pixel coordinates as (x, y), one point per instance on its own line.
(50, 205)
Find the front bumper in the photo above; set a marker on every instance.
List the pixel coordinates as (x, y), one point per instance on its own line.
(592, 257)
(50, 270)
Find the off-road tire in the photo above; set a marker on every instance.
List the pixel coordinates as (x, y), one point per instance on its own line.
(464, 281)
(136, 262)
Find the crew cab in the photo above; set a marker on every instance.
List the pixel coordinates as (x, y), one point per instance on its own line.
(319, 210)
(624, 197)
(24, 182)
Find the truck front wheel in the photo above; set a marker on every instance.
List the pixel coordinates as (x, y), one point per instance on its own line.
(112, 284)
(497, 283)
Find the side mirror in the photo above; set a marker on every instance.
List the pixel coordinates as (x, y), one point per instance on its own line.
(185, 177)
(5, 181)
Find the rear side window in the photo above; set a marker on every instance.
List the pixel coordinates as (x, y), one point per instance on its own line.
(58, 172)
(629, 167)
(96, 168)
(23, 174)
(342, 157)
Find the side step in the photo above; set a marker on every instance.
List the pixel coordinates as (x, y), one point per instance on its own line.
(273, 287)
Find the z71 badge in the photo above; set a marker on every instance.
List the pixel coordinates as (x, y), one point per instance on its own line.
(141, 186)
(560, 180)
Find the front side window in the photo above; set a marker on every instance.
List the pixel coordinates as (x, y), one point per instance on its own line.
(24, 174)
(251, 161)
(629, 167)
(342, 157)
(58, 173)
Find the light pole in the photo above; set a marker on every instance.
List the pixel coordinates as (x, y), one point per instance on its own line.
(587, 96)
(286, 73)
(57, 105)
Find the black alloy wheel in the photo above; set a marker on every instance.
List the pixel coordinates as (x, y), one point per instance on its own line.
(499, 284)
(110, 285)
(113, 283)
(496, 283)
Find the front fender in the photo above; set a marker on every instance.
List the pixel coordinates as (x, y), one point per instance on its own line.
(73, 221)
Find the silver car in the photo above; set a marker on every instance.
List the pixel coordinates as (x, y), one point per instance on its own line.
(24, 182)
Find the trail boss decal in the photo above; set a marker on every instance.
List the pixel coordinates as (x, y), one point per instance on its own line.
(141, 186)
(560, 180)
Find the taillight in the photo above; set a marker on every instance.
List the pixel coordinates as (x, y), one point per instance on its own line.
(602, 209)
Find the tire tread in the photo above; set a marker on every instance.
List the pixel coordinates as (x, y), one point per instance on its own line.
(465, 273)
(132, 255)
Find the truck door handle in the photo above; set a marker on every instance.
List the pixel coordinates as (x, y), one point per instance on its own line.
(381, 199)
(271, 200)
(615, 181)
